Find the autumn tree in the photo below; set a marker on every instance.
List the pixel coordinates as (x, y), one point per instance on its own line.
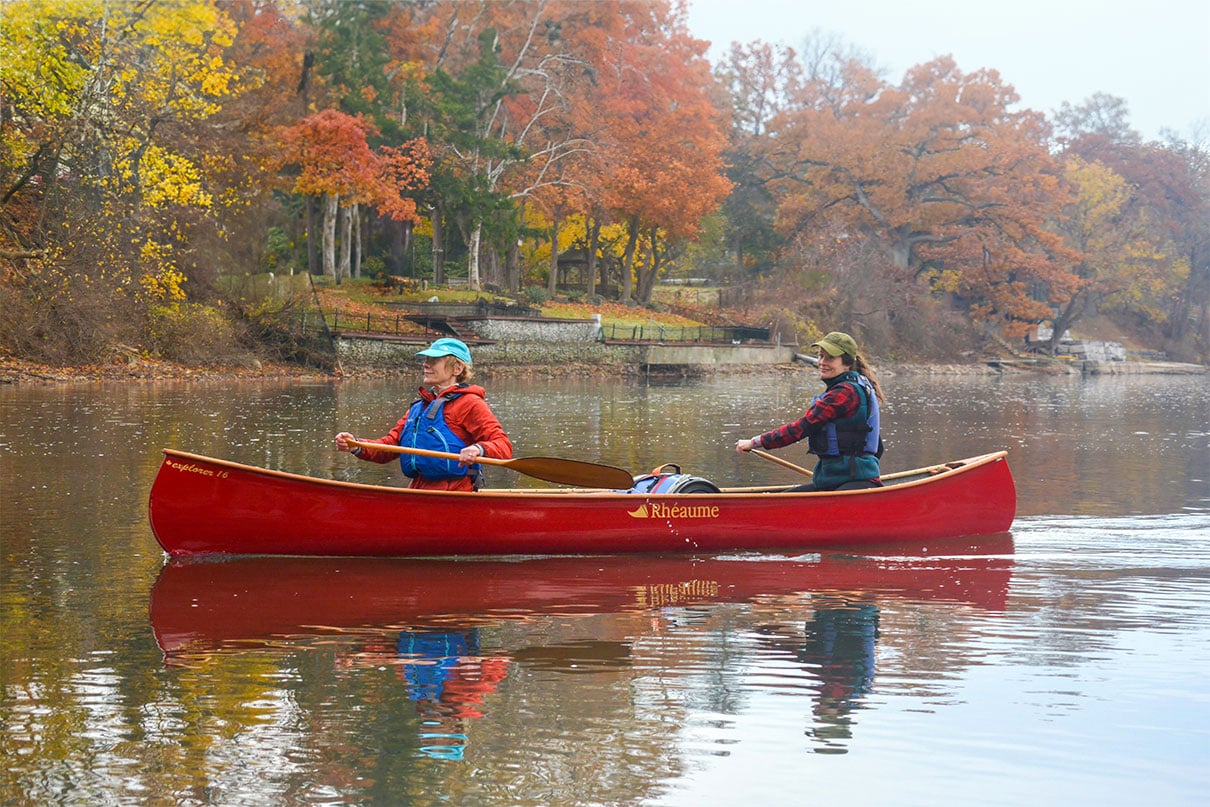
(256, 223)
(758, 80)
(1119, 266)
(958, 188)
(482, 91)
(761, 84)
(335, 162)
(567, 186)
(661, 141)
(1167, 186)
(104, 103)
(1183, 168)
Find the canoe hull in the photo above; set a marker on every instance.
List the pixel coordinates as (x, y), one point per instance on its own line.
(201, 505)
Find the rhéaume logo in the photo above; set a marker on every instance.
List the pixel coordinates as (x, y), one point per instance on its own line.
(674, 511)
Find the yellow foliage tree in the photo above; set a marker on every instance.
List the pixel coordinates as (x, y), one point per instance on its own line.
(1120, 264)
(101, 154)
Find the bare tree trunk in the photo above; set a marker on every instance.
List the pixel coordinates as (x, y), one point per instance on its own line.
(632, 241)
(343, 269)
(398, 234)
(438, 248)
(512, 268)
(594, 233)
(331, 210)
(355, 210)
(472, 261)
(648, 276)
(314, 251)
(553, 282)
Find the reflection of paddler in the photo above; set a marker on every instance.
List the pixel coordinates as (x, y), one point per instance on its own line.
(837, 648)
(445, 674)
(839, 645)
(431, 656)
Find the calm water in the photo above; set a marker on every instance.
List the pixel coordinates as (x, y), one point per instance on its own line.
(1064, 663)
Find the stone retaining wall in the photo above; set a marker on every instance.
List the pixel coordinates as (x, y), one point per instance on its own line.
(510, 329)
(672, 355)
(376, 353)
(381, 353)
(554, 354)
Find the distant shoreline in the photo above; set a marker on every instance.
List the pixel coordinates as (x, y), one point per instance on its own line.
(16, 371)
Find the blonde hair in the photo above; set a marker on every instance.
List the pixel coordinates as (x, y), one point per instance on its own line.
(461, 370)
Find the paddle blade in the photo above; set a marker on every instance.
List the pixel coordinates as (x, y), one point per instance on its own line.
(573, 472)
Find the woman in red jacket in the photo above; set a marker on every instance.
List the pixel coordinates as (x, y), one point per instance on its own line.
(450, 416)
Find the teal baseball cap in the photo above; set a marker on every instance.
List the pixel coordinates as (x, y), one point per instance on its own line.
(448, 347)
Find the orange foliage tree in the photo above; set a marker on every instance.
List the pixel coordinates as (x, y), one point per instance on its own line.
(335, 161)
(660, 142)
(958, 189)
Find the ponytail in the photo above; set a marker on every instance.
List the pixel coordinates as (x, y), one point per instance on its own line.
(860, 365)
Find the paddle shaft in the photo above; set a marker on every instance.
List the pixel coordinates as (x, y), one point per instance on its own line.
(780, 461)
(550, 469)
(421, 452)
(932, 470)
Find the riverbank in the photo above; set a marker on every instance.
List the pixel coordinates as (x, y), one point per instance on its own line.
(16, 371)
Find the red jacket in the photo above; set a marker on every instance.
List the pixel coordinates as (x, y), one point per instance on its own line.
(469, 417)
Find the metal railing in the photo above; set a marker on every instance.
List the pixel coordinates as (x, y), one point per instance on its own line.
(688, 334)
(383, 325)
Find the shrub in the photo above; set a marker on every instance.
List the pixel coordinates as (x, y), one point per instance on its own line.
(194, 334)
(537, 294)
(59, 318)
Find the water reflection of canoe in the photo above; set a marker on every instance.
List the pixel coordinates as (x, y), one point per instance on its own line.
(200, 505)
(201, 605)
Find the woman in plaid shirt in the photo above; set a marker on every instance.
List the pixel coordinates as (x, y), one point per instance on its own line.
(841, 425)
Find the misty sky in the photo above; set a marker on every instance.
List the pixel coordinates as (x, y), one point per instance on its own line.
(1153, 53)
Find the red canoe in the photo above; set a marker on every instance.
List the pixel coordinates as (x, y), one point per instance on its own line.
(199, 505)
(200, 606)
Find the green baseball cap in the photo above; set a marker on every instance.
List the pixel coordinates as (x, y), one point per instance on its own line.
(837, 343)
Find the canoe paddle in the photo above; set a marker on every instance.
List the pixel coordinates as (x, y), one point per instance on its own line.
(550, 469)
(780, 461)
(932, 470)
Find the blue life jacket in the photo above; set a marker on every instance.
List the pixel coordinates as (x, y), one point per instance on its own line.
(853, 436)
(426, 428)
